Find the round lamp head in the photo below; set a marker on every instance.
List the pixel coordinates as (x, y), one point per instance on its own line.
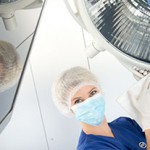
(119, 26)
(125, 24)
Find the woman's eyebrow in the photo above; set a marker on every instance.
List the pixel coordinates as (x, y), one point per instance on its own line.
(76, 98)
(91, 90)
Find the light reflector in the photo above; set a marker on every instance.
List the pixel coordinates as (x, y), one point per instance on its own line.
(123, 23)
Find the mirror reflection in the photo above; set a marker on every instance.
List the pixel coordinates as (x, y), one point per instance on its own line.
(18, 22)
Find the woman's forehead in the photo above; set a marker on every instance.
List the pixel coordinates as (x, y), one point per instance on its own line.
(85, 90)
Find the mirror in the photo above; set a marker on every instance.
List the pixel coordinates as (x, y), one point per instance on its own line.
(18, 23)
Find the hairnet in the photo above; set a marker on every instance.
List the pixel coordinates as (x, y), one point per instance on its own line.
(10, 66)
(67, 84)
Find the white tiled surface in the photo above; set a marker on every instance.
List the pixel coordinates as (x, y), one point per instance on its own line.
(58, 45)
(25, 130)
(61, 46)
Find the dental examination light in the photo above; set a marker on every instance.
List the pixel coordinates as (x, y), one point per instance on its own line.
(120, 26)
(8, 8)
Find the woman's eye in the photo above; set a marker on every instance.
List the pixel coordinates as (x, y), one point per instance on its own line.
(78, 101)
(93, 93)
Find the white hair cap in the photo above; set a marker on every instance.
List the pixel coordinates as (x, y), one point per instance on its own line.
(67, 84)
(10, 67)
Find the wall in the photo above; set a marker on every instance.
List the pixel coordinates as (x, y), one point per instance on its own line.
(21, 133)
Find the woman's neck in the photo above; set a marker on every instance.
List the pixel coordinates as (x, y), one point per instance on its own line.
(102, 129)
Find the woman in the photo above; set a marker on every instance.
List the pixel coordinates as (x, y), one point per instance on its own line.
(77, 93)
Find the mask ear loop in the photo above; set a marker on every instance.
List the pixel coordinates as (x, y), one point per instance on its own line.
(71, 110)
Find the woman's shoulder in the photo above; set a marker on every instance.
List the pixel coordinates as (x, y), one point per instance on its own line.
(122, 119)
(125, 122)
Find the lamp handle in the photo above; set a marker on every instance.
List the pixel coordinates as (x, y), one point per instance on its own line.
(138, 72)
(75, 15)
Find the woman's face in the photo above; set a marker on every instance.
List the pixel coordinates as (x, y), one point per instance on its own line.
(83, 93)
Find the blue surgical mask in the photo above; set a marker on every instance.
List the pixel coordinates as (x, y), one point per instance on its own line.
(91, 111)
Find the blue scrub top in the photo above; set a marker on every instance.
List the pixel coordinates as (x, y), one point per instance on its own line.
(128, 136)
